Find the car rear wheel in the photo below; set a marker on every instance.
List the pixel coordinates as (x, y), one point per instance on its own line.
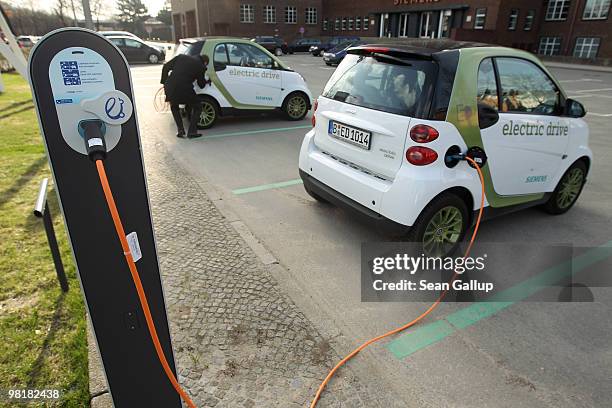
(153, 58)
(295, 106)
(568, 190)
(210, 113)
(441, 226)
(278, 52)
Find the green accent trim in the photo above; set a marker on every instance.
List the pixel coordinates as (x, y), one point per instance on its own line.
(208, 49)
(267, 187)
(252, 132)
(463, 111)
(442, 231)
(431, 333)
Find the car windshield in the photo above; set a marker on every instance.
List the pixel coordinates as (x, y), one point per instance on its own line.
(384, 84)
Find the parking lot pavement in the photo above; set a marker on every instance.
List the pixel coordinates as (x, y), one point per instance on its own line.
(528, 354)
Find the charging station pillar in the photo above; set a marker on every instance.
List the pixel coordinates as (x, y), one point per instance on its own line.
(77, 75)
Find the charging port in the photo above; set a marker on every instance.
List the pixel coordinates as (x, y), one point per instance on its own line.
(452, 156)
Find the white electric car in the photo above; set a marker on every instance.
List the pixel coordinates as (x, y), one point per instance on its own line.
(393, 122)
(246, 78)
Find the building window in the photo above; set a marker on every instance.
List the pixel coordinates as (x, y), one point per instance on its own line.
(366, 23)
(311, 15)
(337, 24)
(557, 10)
(247, 13)
(596, 10)
(343, 23)
(351, 23)
(529, 18)
(549, 45)
(357, 23)
(513, 21)
(325, 24)
(269, 14)
(586, 47)
(291, 15)
(479, 19)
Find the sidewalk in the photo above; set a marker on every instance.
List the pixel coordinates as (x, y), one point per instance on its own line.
(239, 341)
(578, 67)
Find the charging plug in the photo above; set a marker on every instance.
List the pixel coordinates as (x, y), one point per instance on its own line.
(92, 131)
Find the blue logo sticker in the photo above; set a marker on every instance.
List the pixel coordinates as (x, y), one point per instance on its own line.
(111, 104)
(61, 101)
(70, 73)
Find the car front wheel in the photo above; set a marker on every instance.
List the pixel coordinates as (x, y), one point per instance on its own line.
(567, 191)
(295, 106)
(278, 52)
(153, 58)
(440, 227)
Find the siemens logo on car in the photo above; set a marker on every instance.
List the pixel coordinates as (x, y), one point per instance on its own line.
(254, 74)
(263, 98)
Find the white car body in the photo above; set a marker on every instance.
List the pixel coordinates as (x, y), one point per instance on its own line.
(382, 183)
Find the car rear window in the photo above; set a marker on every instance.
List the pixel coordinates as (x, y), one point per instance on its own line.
(403, 88)
(193, 49)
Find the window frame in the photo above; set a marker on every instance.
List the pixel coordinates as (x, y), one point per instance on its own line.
(366, 23)
(497, 81)
(357, 23)
(560, 95)
(337, 24)
(549, 37)
(266, 13)
(308, 11)
(530, 16)
(565, 4)
(246, 45)
(293, 9)
(344, 23)
(584, 38)
(243, 7)
(484, 18)
(513, 19)
(599, 18)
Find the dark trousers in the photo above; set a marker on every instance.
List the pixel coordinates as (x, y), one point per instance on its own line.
(193, 112)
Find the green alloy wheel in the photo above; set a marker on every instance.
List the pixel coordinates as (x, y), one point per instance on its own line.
(296, 106)
(443, 231)
(568, 189)
(441, 226)
(209, 114)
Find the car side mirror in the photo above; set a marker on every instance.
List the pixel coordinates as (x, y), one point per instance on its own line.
(219, 66)
(487, 115)
(574, 109)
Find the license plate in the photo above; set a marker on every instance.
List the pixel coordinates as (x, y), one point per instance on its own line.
(358, 137)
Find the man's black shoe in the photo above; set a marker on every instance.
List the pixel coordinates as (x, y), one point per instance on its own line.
(180, 133)
(193, 135)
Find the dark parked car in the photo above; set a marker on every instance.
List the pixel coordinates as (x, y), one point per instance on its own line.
(318, 50)
(137, 51)
(335, 55)
(303, 44)
(275, 45)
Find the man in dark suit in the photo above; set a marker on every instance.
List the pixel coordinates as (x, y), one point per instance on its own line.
(178, 86)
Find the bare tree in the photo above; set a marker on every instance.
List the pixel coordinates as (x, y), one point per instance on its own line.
(60, 7)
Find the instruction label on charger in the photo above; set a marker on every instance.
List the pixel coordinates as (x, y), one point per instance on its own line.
(132, 239)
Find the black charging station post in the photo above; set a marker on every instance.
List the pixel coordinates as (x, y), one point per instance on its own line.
(77, 76)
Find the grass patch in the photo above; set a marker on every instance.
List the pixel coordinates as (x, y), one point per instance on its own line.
(42, 331)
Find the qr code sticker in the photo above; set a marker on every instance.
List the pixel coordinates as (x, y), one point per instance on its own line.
(70, 72)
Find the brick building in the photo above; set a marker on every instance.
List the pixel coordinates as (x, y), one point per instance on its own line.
(568, 28)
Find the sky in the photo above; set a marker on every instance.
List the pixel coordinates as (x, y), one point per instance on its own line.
(48, 5)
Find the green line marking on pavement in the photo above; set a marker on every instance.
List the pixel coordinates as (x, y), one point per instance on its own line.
(267, 186)
(434, 332)
(252, 132)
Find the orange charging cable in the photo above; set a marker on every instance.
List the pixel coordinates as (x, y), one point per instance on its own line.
(419, 318)
(108, 194)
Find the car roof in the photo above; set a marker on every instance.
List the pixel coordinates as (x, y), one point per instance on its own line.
(424, 47)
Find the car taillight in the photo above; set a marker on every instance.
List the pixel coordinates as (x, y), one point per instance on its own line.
(421, 156)
(313, 119)
(423, 134)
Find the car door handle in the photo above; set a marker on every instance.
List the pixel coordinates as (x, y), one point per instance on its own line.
(351, 111)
